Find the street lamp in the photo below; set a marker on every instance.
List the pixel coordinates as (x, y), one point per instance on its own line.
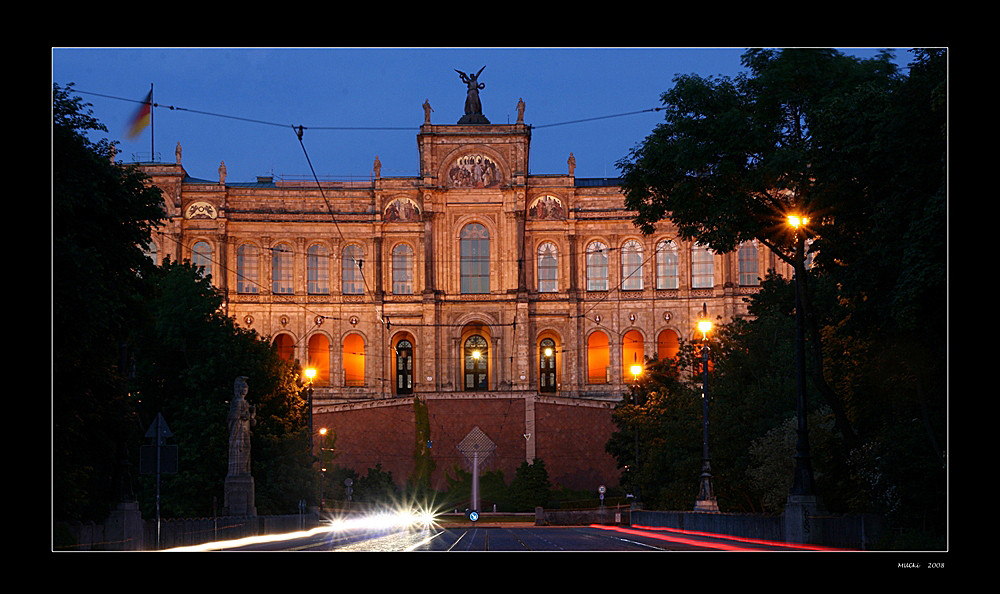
(803, 488)
(706, 498)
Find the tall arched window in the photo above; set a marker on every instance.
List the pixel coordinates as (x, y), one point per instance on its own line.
(201, 255)
(351, 279)
(632, 350)
(702, 269)
(667, 345)
(354, 360)
(319, 357)
(747, 263)
(285, 346)
(247, 265)
(282, 269)
(631, 266)
(548, 268)
(597, 266)
(402, 270)
(475, 259)
(476, 360)
(598, 358)
(318, 269)
(547, 365)
(666, 265)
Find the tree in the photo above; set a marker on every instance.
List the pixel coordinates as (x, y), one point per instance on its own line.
(530, 487)
(102, 217)
(735, 157)
(861, 151)
(186, 365)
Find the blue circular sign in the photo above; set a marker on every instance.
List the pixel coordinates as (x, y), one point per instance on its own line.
(473, 516)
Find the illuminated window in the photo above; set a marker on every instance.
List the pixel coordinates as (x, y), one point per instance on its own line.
(282, 269)
(285, 346)
(631, 266)
(598, 358)
(597, 266)
(702, 270)
(632, 349)
(352, 281)
(747, 263)
(354, 360)
(548, 268)
(402, 270)
(475, 259)
(201, 255)
(667, 345)
(247, 264)
(319, 357)
(666, 265)
(318, 269)
(476, 361)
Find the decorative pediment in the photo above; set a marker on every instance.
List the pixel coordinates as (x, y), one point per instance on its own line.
(475, 170)
(201, 210)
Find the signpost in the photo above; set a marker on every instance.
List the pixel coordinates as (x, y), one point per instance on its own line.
(158, 458)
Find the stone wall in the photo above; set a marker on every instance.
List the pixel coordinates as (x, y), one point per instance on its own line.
(567, 434)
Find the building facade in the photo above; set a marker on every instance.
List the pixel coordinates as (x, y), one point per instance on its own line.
(473, 281)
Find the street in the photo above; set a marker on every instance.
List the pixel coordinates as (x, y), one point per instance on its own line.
(509, 538)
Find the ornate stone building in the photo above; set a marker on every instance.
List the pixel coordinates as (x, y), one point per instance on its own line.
(473, 281)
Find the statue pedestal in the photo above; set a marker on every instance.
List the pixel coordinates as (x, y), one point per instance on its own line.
(473, 118)
(239, 496)
(124, 527)
(800, 523)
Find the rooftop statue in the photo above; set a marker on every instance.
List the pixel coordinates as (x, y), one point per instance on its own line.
(473, 107)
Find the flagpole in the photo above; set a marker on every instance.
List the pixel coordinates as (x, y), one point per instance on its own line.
(152, 153)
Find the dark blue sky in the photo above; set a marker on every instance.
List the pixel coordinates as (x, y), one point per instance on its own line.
(378, 88)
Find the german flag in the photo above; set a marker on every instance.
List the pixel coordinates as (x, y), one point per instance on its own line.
(141, 118)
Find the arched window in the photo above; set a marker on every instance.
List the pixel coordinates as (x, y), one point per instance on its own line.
(475, 259)
(285, 346)
(632, 349)
(247, 265)
(352, 282)
(702, 270)
(548, 268)
(282, 269)
(547, 365)
(201, 255)
(476, 360)
(402, 270)
(747, 263)
(319, 357)
(404, 367)
(631, 266)
(150, 251)
(598, 358)
(354, 360)
(667, 345)
(597, 266)
(666, 265)
(318, 269)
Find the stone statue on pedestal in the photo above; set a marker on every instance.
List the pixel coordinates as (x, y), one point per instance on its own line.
(239, 491)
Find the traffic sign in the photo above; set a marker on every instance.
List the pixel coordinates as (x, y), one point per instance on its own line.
(473, 515)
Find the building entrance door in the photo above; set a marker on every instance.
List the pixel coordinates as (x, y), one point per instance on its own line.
(547, 365)
(404, 367)
(476, 356)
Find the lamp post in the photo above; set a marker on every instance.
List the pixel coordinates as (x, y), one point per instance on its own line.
(636, 370)
(706, 497)
(802, 484)
(310, 373)
(802, 503)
